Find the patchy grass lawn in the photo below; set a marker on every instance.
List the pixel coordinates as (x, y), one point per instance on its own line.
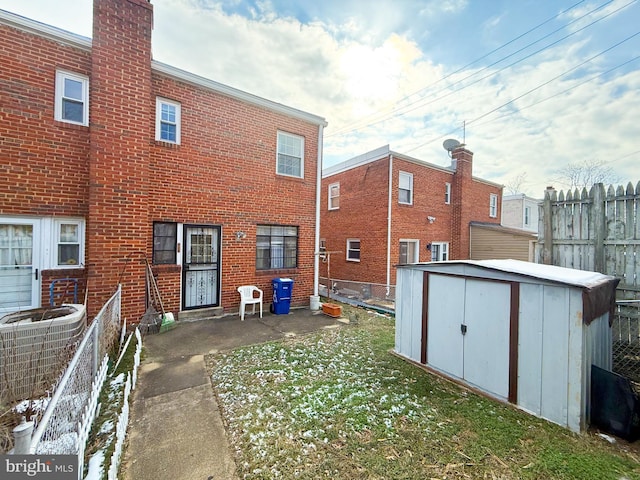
(337, 404)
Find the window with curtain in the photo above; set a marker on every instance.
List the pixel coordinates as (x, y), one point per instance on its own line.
(408, 251)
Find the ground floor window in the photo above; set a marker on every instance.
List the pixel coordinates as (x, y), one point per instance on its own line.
(408, 251)
(276, 247)
(165, 237)
(439, 251)
(353, 250)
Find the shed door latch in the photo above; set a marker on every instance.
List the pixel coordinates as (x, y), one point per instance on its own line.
(463, 328)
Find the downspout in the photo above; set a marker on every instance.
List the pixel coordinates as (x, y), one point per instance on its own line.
(389, 224)
(314, 301)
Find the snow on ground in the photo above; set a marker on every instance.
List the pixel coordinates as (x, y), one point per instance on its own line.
(316, 391)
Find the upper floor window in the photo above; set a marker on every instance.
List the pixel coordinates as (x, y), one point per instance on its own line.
(353, 250)
(439, 251)
(493, 205)
(69, 242)
(276, 247)
(72, 98)
(447, 193)
(527, 216)
(165, 238)
(334, 196)
(405, 188)
(290, 159)
(168, 116)
(408, 251)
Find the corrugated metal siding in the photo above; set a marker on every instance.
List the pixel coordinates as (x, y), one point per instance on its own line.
(489, 244)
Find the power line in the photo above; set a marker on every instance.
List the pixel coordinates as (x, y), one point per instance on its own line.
(562, 75)
(536, 88)
(421, 90)
(451, 92)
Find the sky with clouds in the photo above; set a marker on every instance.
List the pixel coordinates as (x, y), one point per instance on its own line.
(530, 86)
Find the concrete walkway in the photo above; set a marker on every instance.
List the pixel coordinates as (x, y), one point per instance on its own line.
(176, 431)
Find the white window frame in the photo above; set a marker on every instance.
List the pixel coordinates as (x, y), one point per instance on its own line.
(334, 196)
(350, 249)
(493, 205)
(281, 149)
(447, 193)
(527, 216)
(159, 122)
(439, 251)
(61, 76)
(416, 246)
(408, 177)
(57, 225)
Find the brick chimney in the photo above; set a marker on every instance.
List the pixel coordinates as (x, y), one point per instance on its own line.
(462, 163)
(121, 118)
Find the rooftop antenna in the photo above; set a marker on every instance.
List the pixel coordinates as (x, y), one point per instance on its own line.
(450, 144)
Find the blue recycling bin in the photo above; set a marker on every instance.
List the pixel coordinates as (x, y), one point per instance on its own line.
(282, 291)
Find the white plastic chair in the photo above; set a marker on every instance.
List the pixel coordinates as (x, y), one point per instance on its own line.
(247, 297)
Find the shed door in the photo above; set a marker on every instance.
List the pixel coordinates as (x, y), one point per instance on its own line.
(445, 315)
(468, 331)
(486, 341)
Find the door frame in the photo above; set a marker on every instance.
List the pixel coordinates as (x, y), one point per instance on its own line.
(185, 266)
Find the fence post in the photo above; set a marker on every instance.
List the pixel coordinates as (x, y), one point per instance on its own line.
(22, 437)
(547, 212)
(599, 227)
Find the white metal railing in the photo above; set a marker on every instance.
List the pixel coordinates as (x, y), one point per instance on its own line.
(71, 411)
(58, 430)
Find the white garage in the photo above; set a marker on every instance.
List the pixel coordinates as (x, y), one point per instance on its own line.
(521, 332)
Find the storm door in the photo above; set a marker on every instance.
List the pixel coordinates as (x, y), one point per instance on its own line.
(201, 266)
(19, 268)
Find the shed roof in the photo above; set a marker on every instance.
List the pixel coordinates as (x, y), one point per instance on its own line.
(567, 276)
(598, 289)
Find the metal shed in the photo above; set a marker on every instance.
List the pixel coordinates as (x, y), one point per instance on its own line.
(522, 332)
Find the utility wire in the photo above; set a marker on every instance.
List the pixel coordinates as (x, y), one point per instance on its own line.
(538, 87)
(562, 75)
(451, 92)
(520, 109)
(421, 90)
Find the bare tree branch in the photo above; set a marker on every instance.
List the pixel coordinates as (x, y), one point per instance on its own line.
(587, 173)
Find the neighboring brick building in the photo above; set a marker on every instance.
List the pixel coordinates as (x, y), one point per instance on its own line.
(110, 159)
(383, 208)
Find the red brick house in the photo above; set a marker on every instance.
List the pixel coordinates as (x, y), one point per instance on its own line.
(384, 208)
(111, 159)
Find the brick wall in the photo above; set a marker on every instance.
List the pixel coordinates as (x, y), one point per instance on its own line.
(44, 167)
(120, 115)
(364, 206)
(362, 215)
(224, 173)
(116, 176)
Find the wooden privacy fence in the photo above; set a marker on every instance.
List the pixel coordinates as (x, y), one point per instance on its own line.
(599, 230)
